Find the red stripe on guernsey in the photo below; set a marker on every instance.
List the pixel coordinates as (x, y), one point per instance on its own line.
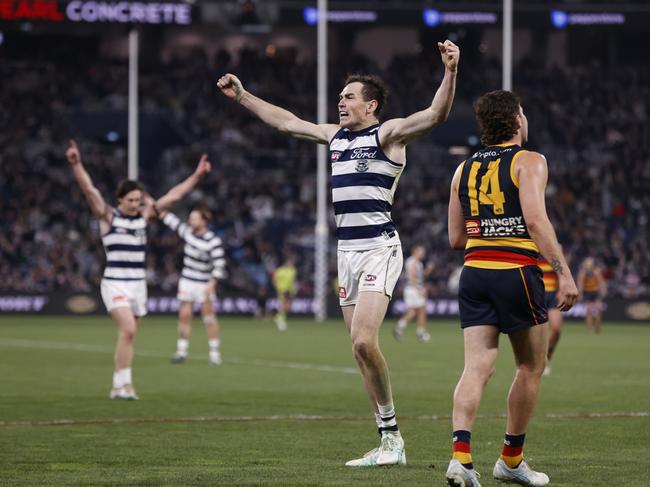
(461, 446)
(501, 256)
(512, 451)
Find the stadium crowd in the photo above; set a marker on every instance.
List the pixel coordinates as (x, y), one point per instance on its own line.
(263, 186)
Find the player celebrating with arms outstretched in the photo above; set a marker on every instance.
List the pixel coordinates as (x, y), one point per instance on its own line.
(124, 236)
(367, 159)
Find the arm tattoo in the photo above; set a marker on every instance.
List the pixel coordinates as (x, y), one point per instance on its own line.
(557, 266)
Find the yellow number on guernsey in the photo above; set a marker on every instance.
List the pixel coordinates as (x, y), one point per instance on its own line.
(489, 192)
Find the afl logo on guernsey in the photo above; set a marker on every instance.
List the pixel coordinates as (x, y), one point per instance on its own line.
(362, 166)
(335, 156)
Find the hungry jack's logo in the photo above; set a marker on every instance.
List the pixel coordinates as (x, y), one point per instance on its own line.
(473, 228)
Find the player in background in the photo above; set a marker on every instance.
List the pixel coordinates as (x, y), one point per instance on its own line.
(124, 237)
(415, 295)
(203, 266)
(593, 289)
(367, 159)
(555, 318)
(497, 214)
(284, 282)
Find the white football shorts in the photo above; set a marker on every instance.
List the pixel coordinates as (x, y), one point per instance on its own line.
(125, 294)
(192, 291)
(375, 270)
(414, 297)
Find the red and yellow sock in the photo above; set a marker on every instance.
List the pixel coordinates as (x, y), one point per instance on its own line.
(461, 448)
(513, 450)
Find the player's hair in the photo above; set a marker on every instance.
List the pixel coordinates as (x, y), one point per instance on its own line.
(126, 186)
(204, 211)
(373, 89)
(496, 113)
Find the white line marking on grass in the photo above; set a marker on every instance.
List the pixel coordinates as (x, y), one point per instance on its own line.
(294, 365)
(80, 347)
(292, 417)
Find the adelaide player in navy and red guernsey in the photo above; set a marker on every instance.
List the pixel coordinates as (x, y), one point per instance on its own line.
(497, 214)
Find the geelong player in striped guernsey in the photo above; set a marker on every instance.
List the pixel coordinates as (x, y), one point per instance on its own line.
(123, 231)
(367, 159)
(203, 266)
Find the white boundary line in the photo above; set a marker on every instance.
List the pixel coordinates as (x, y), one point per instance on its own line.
(293, 417)
(80, 347)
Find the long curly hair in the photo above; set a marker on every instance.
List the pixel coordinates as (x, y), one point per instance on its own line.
(496, 113)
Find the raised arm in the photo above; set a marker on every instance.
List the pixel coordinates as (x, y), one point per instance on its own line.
(218, 261)
(532, 173)
(174, 223)
(456, 224)
(96, 202)
(405, 130)
(274, 116)
(181, 189)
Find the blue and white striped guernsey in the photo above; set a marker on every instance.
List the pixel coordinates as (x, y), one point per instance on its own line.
(204, 255)
(125, 245)
(363, 185)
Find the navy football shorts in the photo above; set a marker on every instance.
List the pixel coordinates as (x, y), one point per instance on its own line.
(550, 299)
(511, 299)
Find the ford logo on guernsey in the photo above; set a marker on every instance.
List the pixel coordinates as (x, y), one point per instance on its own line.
(363, 154)
(362, 166)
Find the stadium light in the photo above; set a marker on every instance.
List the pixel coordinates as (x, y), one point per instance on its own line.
(559, 19)
(310, 15)
(431, 17)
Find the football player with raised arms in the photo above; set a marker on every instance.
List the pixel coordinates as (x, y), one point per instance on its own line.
(124, 235)
(367, 159)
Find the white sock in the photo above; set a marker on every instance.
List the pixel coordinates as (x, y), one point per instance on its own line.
(125, 375)
(182, 344)
(214, 345)
(117, 380)
(387, 417)
(401, 324)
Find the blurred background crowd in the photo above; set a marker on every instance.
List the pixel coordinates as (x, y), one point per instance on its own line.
(262, 189)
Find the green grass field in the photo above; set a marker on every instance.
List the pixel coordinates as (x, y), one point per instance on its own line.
(288, 409)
